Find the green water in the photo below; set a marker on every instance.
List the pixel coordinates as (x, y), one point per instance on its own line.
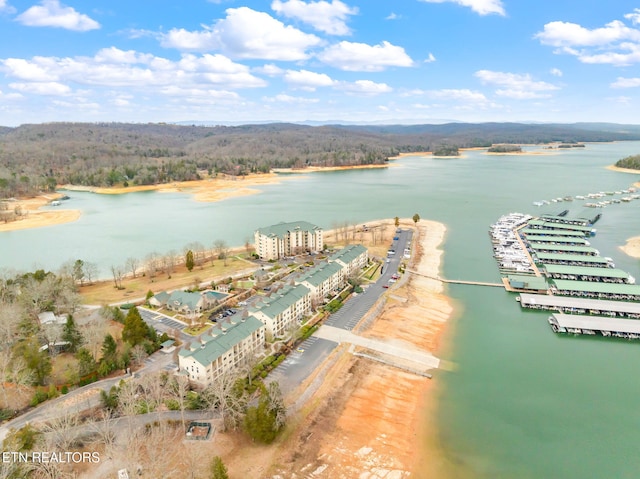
(521, 401)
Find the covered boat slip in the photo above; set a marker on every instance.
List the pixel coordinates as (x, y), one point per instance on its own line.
(557, 219)
(584, 273)
(558, 248)
(522, 282)
(547, 225)
(592, 289)
(573, 260)
(580, 305)
(554, 232)
(570, 240)
(576, 324)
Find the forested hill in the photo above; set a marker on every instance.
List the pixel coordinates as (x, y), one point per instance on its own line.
(37, 157)
(631, 162)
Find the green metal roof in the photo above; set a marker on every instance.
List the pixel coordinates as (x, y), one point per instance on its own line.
(281, 229)
(179, 298)
(349, 253)
(594, 287)
(559, 247)
(542, 257)
(564, 220)
(586, 271)
(556, 239)
(547, 224)
(538, 231)
(281, 300)
(320, 273)
(225, 340)
(537, 283)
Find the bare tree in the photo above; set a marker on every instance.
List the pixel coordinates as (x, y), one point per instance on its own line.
(62, 431)
(132, 264)
(138, 354)
(13, 371)
(223, 395)
(93, 333)
(169, 261)
(118, 273)
(178, 389)
(221, 249)
(90, 271)
(152, 263)
(104, 427)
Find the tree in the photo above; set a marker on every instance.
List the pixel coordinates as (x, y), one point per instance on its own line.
(36, 360)
(86, 362)
(264, 421)
(218, 469)
(396, 221)
(135, 329)
(72, 335)
(222, 250)
(109, 359)
(117, 273)
(416, 218)
(188, 260)
(132, 265)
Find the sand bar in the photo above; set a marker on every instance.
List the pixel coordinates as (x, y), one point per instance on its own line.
(632, 247)
(624, 170)
(33, 217)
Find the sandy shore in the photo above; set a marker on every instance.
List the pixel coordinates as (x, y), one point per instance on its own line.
(632, 247)
(320, 169)
(34, 217)
(368, 417)
(624, 170)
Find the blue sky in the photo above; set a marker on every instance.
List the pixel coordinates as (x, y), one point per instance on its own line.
(295, 60)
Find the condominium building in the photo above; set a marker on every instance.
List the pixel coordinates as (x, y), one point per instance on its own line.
(288, 239)
(322, 280)
(352, 258)
(283, 309)
(223, 348)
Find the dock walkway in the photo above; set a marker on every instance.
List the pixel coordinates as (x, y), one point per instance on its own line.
(456, 281)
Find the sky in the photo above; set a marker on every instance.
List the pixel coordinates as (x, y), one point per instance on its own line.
(362, 61)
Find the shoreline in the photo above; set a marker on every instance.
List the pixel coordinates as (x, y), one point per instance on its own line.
(624, 170)
(632, 247)
(35, 217)
(356, 433)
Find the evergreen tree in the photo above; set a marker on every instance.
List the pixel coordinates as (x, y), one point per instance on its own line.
(416, 218)
(135, 329)
(86, 363)
(189, 262)
(218, 469)
(72, 334)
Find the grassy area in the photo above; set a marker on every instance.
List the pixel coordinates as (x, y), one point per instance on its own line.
(105, 292)
(64, 367)
(195, 330)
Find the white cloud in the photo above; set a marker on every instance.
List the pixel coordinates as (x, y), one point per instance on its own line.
(430, 58)
(463, 95)
(556, 72)
(270, 70)
(514, 85)
(634, 17)
(42, 88)
(118, 68)
(565, 34)
(364, 87)
(307, 80)
(393, 16)
(615, 43)
(245, 33)
(283, 98)
(5, 7)
(626, 83)
(362, 57)
(327, 17)
(50, 13)
(482, 7)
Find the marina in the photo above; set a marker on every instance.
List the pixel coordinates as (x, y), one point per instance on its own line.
(573, 260)
(566, 304)
(591, 325)
(585, 273)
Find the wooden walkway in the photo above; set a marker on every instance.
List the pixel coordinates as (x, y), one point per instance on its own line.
(457, 281)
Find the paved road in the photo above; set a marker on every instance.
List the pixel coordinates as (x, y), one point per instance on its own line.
(299, 365)
(83, 398)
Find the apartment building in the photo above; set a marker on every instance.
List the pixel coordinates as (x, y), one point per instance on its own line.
(283, 309)
(288, 239)
(222, 349)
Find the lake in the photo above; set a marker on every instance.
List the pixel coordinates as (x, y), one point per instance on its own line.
(521, 402)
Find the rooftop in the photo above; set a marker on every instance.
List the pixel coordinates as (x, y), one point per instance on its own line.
(563, 232)
(542, 257)
(556, 239)
(585, 271)
(594, 287)
(568, 248)
(597, 323)
(579, 303)
(281, 229)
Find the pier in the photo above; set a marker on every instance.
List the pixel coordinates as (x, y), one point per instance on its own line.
(456, 281)
(590, 325)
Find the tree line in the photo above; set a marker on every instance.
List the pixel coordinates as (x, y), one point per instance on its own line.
(35, 158)
(632, 162)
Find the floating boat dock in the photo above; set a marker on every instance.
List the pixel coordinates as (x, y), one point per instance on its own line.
(538, 231)
(591, 325)
(585, 273)
(573, 260)
(567, 304)
(559, 248)
(588, 289)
